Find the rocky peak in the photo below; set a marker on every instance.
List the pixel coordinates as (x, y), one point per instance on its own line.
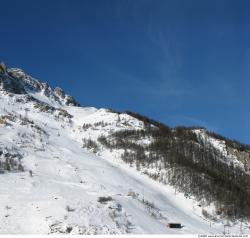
(15, 80)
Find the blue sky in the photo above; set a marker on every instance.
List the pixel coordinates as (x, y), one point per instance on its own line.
(180, 62)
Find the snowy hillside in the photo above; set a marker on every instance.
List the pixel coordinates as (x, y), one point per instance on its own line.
(56, 175)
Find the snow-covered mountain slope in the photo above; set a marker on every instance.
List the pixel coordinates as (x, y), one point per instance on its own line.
(56, 176)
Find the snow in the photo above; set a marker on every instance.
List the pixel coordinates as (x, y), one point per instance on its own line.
(42, 98)
(61, 195)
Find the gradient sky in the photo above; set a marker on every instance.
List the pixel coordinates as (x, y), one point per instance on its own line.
(180, 62)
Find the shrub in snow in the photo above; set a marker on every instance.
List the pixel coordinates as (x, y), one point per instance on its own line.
(104, 199)
(69, 209)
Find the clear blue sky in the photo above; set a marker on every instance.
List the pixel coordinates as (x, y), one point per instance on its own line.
(180, 62)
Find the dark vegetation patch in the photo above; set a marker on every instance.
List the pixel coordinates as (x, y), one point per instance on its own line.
(193, 166)
(105, 199)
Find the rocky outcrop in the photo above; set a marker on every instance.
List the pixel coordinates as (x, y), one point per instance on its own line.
(70, 101)
(59, 92)
(2, 68)
(8, 83)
